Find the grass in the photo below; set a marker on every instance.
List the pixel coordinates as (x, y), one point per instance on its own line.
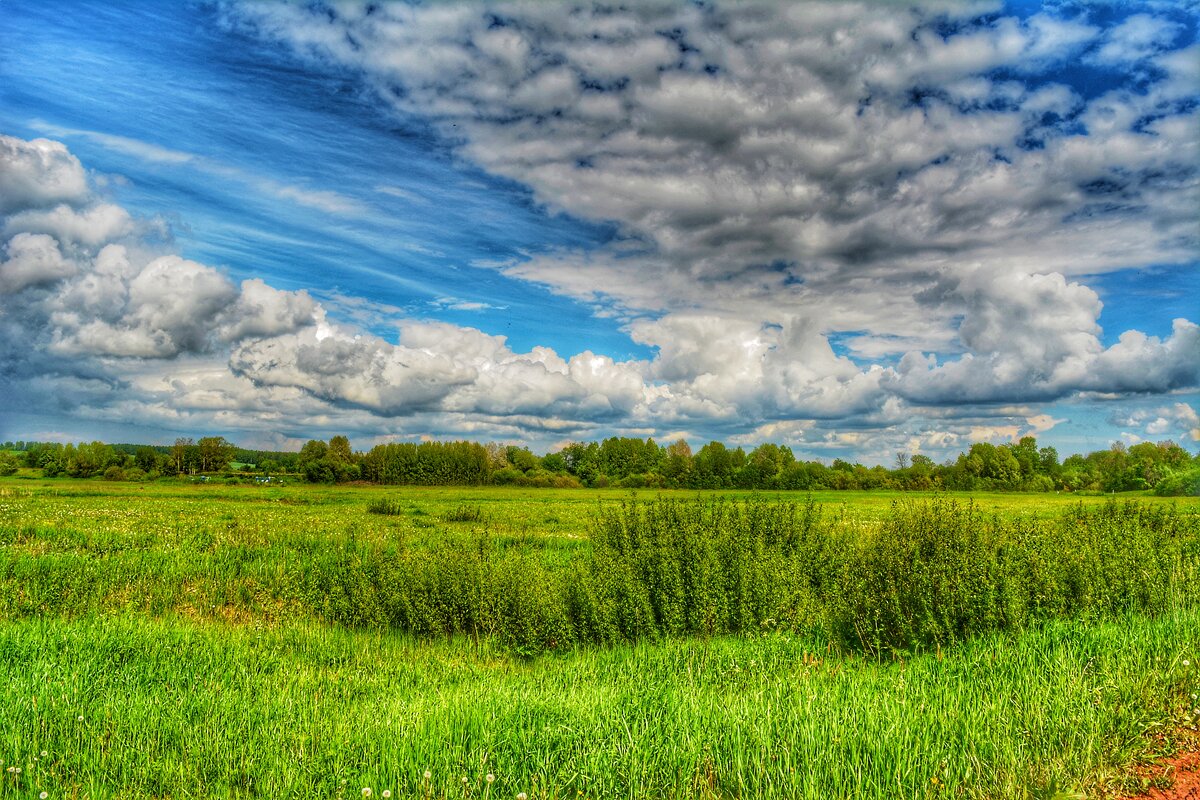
(173, 709)
(226, 641)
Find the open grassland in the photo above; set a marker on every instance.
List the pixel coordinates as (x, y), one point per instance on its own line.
(176, 640)
(130, 708)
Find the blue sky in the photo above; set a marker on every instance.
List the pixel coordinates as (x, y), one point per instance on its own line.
(763, 222)
(381, 207)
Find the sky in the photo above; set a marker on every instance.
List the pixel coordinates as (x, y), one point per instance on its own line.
(853, 228)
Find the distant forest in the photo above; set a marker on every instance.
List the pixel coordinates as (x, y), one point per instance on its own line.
(1162, 467)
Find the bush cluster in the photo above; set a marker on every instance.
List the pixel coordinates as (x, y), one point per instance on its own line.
(933, 574)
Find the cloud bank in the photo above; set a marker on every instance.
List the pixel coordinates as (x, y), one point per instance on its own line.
(846, 225)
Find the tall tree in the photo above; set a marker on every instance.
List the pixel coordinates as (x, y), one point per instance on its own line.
(215, 453)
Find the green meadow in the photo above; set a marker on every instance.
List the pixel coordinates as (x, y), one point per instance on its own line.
(194, 640)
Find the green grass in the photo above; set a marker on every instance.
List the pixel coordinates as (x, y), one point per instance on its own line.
(172, 709)
(245, 641)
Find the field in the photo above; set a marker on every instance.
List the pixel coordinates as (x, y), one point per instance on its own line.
(178, 640)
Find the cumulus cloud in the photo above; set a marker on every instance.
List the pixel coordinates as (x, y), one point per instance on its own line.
(32, 259)
(780, 173)
(1177, 419)
(81, 282)
(92, 305)
(445, 367)
(859, 224)
(759, 142)
(38, 173)
(362, 371)
(263, 310)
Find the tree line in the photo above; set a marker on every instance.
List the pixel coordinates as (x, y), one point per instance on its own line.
(1163, 467)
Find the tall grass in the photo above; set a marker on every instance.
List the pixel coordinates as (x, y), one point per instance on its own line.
(752, 648)
(932, 574)
(125, 707)
(940, 571)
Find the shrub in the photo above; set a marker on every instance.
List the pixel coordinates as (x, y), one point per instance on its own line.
(939, 572)
(465, 513)
(385, 506)
(1185, 483)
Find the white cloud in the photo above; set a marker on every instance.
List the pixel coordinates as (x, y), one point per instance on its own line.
(32, 259)
(38, 173)
(91, 227)
(776, 174)
(854, 168)
(263, 310)
(1137, 37)
(145, 151)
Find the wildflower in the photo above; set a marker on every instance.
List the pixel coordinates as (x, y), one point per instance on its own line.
(366, 791)
(491, 778)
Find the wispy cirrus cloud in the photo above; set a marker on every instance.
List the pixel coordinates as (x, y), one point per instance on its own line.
(859, 228)
(326, 200)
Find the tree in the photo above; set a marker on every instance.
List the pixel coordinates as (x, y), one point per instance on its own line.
(676, 468)
(1026, 453)
(521, 458)
(713, 467)
(1048, 462)
(181, 453)
(339, 450)
(215, 453)
(146, 459)
(554, 462)
(8, 463)
(313, 450)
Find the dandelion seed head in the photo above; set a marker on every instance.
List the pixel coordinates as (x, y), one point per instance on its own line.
(44, 754)
(386, 794)
(366, 792)
(80, 718)
(522, 796)
(491, 778)
(465, 781)
(1187, 663)
(428, 774)
(43, 795)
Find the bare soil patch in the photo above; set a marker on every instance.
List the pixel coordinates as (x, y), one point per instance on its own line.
(1176, 777)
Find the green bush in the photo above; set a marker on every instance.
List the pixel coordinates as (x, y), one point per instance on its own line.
(465, 513)
(1185, 483)
(939, 572)
(384, 506)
